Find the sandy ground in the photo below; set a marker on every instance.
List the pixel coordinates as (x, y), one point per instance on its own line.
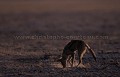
(23, 56)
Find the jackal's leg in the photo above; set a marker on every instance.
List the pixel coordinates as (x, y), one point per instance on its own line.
(71, 59)
(80, 55)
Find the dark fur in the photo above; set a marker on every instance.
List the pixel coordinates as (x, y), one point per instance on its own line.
(68, 52)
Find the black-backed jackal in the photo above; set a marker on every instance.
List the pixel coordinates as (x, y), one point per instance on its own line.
(68, 52)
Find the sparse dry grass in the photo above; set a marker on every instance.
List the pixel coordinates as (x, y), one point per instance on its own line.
(37, 58)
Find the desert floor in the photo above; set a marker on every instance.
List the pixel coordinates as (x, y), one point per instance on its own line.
(23, 54)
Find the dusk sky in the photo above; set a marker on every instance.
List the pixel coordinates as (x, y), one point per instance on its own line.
(57, 5)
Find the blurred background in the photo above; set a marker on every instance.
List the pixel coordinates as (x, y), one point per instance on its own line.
(82, 16)
(58, 5)
(21, 18)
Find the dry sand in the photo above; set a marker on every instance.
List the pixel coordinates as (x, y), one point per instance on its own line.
(22, 55)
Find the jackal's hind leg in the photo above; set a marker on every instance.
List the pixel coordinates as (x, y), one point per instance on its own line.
(80, 55)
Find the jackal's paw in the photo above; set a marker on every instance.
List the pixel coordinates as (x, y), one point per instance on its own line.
(87, 65)
(81, 66)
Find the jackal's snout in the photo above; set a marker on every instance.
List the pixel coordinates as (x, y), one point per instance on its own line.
(63, 62)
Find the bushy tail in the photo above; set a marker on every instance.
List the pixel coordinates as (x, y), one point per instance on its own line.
(92, 52)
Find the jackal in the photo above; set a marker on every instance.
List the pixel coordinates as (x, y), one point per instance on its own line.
(70, 48)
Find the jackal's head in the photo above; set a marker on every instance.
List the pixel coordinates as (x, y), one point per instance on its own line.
(63, 62)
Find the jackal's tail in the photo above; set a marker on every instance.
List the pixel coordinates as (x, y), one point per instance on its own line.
(92, 52)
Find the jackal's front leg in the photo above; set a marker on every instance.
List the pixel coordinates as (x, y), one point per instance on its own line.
(71, 59)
